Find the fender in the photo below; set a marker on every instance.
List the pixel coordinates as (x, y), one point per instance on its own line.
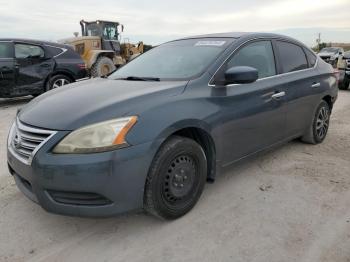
(92, 56)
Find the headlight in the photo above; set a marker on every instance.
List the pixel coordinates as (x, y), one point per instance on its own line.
(99, 137)
(10, 134)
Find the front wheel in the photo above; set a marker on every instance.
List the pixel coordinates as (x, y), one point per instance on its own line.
(319, 127)
(176, 178)
(102, 67)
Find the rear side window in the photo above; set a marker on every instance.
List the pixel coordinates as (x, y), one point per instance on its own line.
(258, 55)
(6, 50)
(54, 51)
(292, 57)
(28, 51)
(311, 57)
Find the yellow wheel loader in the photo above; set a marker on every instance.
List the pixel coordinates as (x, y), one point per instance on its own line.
(100, 46)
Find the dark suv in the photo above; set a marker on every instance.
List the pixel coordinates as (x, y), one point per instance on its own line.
(344, 69)
(30, 67)
(153, 132)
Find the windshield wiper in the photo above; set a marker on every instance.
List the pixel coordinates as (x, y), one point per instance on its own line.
(137, 78)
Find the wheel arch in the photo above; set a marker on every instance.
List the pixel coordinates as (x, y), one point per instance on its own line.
(329, 100)
(199, 132)
(93, 55)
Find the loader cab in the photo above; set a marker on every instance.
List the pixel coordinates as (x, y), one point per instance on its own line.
(107, 31)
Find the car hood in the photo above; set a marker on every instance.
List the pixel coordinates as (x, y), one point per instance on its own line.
(96, 100)
(326, 53)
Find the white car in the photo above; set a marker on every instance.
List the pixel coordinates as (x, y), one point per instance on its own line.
(331, 54)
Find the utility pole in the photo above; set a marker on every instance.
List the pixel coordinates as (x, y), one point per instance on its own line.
(318, 41)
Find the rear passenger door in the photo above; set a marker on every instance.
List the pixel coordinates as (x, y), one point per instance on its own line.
(7, 69)
(33, 67)
(299, 79)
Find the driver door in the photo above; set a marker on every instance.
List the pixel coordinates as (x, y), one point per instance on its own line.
(253, 114)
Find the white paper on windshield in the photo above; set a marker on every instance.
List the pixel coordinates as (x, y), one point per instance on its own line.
(210, 43)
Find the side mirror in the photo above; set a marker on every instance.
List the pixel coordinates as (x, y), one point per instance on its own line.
(241, 75)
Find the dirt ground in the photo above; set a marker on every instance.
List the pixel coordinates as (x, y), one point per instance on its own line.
(290, 204)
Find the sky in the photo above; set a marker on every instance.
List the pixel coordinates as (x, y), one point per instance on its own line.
(157, 21)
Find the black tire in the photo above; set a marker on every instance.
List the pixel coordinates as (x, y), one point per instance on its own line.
(103, 66)
(319, 127)
(344, 85)
(176, 178)
(57, 81)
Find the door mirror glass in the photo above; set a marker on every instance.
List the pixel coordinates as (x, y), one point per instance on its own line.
(241, 75)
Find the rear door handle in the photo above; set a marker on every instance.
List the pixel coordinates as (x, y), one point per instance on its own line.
(316, 85)
(45, 65)
(278, 95)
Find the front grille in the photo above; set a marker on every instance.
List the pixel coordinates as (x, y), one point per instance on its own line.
(25, 141)
(326, 58)
(79, 198)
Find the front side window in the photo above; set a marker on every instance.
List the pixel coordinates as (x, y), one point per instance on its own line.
(177, 60)
(28, 51)
(292, 57)
(93, 30)
(6, 50)
(258, 55)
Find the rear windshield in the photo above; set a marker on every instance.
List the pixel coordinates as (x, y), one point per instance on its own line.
(178, 60)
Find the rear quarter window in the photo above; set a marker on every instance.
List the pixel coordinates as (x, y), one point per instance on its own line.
(53, 51)
(311, 57)
(292, 57)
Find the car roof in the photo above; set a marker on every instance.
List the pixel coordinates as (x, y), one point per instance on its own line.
(33, 41)
(247, 35)
(237, 35)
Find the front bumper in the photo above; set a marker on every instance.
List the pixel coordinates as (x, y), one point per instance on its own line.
(94, 185)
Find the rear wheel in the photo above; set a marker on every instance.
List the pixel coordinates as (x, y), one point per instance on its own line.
(57, 81)
(319, 126)
(344, 85)
(102, 67)
(176, 178)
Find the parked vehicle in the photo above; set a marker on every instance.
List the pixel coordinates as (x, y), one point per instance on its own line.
(100, 46)
(152, 133)
(331, 54)
(344, 69)
(31, 67)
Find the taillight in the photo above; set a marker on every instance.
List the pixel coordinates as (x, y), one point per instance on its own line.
(337, 74)
(96, 44)
(81, 66)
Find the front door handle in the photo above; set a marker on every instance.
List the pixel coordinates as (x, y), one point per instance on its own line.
(278, 95)
(316, 85)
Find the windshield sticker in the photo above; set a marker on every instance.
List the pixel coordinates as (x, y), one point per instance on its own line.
(210, 43)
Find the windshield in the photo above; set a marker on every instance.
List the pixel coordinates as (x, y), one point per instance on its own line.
(178, 60)
(330, 50)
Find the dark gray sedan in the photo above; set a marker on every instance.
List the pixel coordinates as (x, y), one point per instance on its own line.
(150, 135)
